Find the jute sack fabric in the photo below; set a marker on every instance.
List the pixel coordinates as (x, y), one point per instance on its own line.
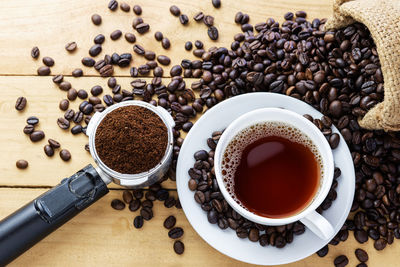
(382, 17)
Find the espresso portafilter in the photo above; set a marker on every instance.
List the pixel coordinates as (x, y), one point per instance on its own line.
(40, 217)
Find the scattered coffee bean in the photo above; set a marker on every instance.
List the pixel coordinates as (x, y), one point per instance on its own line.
(106, 71)
(149, 55)
(138, 222)
(77, 72)
(35, 52)
(134, 205)
(65, 155)
(158, 36)
(163, 60)
(170, 222)
(361, 255)
(184, 19)
(48, 61)
(71, 46)
(36, 136)
(130, 37)
(63, 123)
(117, 204)
(212, 33)
(115, 35)
(198, 17)
(380, 244)
(96, 19)
(137, 10)
(198, 44)
(216, 3)
(125, 7)
(323, 251)
(96, 90)
(82, 94)
(64, 104)
(28, 129)
(48, 150)
(99, 39)
(20, 104)
(76, 129)
(43, 71)
(166, 44)
(32, 120)
(208, 20)
(188, 46)
(341, 261)
(95, 50)
(142, 28)
(54, 144)
(138, 49)
(175, 233)
(179, 247)
(146, 213)
(113, 5)
(88, 61)
(58, 79)
(22, 164)
(175, 10)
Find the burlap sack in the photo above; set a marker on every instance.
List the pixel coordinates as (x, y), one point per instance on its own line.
(382, 17)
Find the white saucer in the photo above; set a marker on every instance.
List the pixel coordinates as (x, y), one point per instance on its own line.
(226, 241)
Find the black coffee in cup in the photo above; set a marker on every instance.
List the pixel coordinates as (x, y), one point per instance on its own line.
(272, 169)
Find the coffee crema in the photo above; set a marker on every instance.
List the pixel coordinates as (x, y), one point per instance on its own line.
(272, 169)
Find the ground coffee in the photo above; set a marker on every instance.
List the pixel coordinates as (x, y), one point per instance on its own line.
(131, 139)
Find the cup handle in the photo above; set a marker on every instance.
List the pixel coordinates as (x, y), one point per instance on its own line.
(318, 225)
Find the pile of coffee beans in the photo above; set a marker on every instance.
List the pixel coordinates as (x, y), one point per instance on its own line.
(208, 195)
(337, 72)
(143, 200)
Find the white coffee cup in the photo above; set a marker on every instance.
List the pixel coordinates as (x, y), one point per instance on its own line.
(308, 216)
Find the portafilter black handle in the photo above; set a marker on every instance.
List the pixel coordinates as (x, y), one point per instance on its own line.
(37, 219)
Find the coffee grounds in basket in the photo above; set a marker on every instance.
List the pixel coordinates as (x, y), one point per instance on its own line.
(131, 140)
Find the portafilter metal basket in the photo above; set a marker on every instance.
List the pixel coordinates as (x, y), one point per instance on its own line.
(40, 217)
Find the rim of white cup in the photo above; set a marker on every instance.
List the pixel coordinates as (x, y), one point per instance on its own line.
(322, 146)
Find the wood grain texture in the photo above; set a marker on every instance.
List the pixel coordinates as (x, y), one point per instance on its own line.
(52, 24)
(101, 236)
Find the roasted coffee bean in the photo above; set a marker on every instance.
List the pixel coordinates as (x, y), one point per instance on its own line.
(163, 60)
(341, 261)
(138, 222)
(361, 255)
(188, 46)
(125, 7)
(36, 136)
(175, 10)
(138, 49)
(117, 204)
(99, 39)
(71, 46)
(22, 164)
(130, 37)
(166, 44)
(113, 5)
(96, 90)
(146, 213)
(137, 10)
(69, 114)
(134, 205)
(198, 44)
(208, 20)
(212, 33)
(216, 3)
(77, 72)
(95, 50)
(43, 71)
(179, 247)
(96, 19)
(108, 100)
(149, 55)
(127, 196)
(142, 28)
(28, 129)
(175, 233)
(65, 155)
(380, 244)
(147, 204)
(54, 144)
(72, 94)
(48, 150)
(170, 222)
(48, 61)
(63, 123)
(323, 251)
(199, 16)
(35, 52)
(106, 71)
(76, 129)
(58, 79)
(64, 104)
(20, 104)
(115, 35)
(184, 19)
(82, 94)
(88, 61)
(361, 236)
(65, 85)
(169, 202)
(158, 36)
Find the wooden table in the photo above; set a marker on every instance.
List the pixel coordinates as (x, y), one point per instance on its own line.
(101, 236)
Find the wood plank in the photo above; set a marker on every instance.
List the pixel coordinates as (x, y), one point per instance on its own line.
(101, 236)
(43, 97)
(52, 24)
